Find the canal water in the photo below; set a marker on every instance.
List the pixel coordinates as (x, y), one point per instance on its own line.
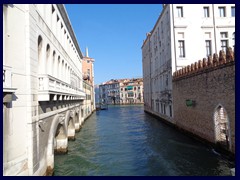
(125, 141)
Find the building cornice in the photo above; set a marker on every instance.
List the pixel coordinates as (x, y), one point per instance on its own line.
(65, 17)
(159, 17)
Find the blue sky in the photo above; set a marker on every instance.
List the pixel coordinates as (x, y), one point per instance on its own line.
(114, 35)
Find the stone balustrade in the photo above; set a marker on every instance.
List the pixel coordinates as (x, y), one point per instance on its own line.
(7, 77)
(209, 63)
(58, 89)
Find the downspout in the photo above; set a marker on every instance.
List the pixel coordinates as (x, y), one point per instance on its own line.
(150, 72)
(175, 55)
(174, 40)
(214, 26)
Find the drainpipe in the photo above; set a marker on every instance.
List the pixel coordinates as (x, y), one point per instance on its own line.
(175, 55)
(174, 39)
(214, 26)
(150, 72)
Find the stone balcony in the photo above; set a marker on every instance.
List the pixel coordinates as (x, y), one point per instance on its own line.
(51, 88)
(8, 90)
(7, 80)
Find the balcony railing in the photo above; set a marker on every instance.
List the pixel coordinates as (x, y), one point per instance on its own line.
(50, 87)
(7, 80)
(8, 90)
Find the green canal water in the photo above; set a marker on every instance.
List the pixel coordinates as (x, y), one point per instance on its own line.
(125, 141)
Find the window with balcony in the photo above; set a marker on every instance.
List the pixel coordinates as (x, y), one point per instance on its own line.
(222, 11)
(206, 11)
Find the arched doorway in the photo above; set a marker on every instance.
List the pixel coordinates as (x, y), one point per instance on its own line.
(222, 127)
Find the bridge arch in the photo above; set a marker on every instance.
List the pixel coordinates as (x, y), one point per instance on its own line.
(222, 127)
(77, 121)
(57, 141)
(70, 124)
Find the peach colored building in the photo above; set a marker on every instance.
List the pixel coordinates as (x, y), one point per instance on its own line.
(88, 84)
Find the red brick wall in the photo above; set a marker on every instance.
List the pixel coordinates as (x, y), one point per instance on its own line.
(209, 86)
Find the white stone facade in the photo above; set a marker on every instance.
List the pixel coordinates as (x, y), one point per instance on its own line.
(183, 34)
(43, 93)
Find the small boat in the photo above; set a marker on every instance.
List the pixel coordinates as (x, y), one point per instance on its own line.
(233, 171)
(104, 106)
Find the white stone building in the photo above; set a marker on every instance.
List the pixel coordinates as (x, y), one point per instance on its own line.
(42, 87)
(183, 34)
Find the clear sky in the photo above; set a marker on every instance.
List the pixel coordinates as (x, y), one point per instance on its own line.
(114, 34)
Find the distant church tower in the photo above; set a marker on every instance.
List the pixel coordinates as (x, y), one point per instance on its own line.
(86, 51)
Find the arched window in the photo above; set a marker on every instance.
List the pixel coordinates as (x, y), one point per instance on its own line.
(68, 75)
(65, 72)
(54, 64)
(59, 68)
(62, 70)
(40, 54)
(48, 59)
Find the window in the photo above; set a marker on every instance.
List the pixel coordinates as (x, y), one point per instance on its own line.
(224, 34)
(170, 110)
(224, 45)
(181, 48)
(208, 48)
(206, 11)
(179, 11)
(233, 11)
(166, 80)
(222, 11)
(233, 39)
(88, 72)
(224, 40)
(53, 9)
